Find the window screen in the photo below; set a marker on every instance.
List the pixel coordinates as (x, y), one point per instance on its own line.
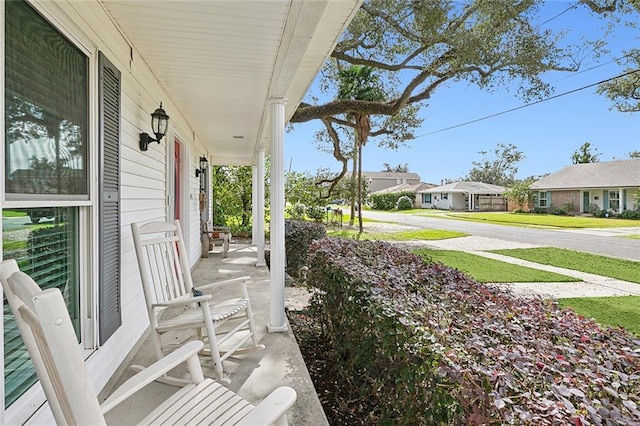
(46, 96)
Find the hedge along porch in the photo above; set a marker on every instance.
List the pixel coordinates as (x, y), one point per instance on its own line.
(81, 80)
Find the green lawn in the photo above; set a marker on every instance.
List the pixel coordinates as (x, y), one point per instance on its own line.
(421, 234)
(13, 213)
(626, 270)
(544, 220)
(621, 311)
(487, 270)
(635, 236)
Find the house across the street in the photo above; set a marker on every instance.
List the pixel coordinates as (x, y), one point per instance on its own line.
(377, 181)
(463, 195)
(407, 187)
(608, 185)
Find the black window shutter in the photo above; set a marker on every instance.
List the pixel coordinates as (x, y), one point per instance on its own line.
(109, 296)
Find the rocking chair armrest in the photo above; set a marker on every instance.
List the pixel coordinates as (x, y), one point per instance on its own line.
(241, 280)
(151, 373)
(186, 301)
(272, 408)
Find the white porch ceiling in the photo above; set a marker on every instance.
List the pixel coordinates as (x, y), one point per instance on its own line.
(221, 61)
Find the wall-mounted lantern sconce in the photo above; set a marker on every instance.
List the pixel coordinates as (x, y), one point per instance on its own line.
(203, 166)
(159, 124)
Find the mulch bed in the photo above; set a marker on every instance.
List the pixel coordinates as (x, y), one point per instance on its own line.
(340, 401)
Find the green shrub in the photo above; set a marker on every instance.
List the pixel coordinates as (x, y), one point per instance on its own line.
(404, 203)
(596, 211)
(297, 211)
(47, 258)
(243, 231)
(550, 210)
(428, 345)
(298, 236)
(631, 214)
(556, 211)
(388, 201)
(382, 201)
(316, 213)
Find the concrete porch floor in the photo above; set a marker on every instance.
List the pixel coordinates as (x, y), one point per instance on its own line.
(252, 375)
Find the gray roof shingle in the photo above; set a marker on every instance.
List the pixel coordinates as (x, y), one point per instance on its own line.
(391, 175)
(405, 187)
(610, 174)
(467, 186)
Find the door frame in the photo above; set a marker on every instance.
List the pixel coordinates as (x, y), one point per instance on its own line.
(181, 201)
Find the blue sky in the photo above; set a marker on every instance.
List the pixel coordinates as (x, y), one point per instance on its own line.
(547, 133)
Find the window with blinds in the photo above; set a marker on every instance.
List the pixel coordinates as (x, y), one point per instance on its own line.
(47, 251)
(45, 154)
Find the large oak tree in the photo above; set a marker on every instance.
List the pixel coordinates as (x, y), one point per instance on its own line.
(420, 46)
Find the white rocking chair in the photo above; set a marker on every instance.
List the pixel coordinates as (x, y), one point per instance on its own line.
(227, 326)
(48, 333)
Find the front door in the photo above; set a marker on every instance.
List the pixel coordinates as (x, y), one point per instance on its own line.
(585, 202)
(176, 183)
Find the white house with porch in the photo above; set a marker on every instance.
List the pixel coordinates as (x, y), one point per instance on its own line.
(464, 195)
(81, 80)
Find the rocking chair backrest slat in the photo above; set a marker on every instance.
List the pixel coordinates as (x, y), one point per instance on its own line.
(54, 345)
(173, 271)
(164, 270)
(158, 258)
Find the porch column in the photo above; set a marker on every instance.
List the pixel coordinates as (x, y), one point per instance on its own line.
(277, 321)
(258, 217)
(254, 202)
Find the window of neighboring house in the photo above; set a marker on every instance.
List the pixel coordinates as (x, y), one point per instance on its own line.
(542, 199)
(426, 198)
(45, 149)
(444, 195)
(614, 200)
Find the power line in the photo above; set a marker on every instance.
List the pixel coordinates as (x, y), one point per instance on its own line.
(527, 105)
(572, 75)
(558, 15)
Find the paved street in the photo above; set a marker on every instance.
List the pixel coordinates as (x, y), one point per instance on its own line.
(606, 242)
(485, 237)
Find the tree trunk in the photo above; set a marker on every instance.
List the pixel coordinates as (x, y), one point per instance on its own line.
(360, 188)
(353, 178)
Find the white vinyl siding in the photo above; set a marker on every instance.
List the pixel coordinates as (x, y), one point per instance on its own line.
(143, 182)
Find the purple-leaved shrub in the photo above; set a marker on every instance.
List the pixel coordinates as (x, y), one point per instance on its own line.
(432, 346)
